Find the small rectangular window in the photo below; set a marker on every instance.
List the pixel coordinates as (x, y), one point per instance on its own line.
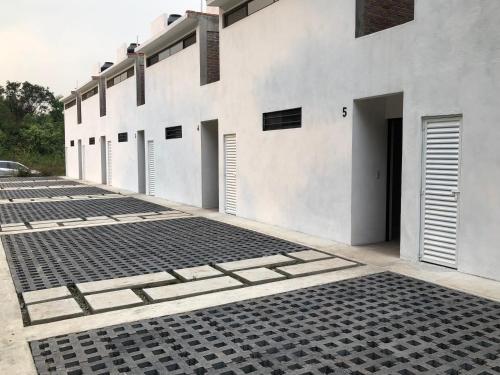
(92, 141)
(245, 10)
(72, 143)
(90, 93)
(189, 41)
(176, 48)
(172, 49)
(122, 137)
(121, 77)
(70, 104)
(287, 119)
(235, 15)
(173, 132)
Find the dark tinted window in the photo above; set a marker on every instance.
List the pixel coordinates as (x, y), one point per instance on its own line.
(92, 141)
(245, 10)
(235, 15)
(70, 104)
(122, 137)
(172, 49)
(287, 119)
(120, 77)
(90, 93)
(173, 132)
(189, 41)
(71, 143)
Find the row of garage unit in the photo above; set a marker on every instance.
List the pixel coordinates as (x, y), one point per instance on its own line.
(360, 139)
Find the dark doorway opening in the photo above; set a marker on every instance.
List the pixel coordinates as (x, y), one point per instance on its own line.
(210, 164)
(394, 167)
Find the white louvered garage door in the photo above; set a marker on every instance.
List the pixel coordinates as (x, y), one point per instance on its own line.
(151, 168)
(109, 164)
(230, 173)
(440, 191)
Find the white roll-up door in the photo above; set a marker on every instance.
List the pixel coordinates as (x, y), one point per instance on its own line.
(151, 168)
(230, 173)
(440, 191)
(109, 164)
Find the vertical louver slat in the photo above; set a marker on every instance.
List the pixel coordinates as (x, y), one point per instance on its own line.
(151, 168)
(440, 191)
(230, 173)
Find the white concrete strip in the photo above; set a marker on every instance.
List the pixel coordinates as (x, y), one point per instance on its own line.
(14, 229)
(16, 359)
(49, 311)
(44, 226)
(168, 217)
(197, 273)
(30, 181)
(15, 354)
(191, 304)
(135, 214)
(46, 295)
(126, 282)
(192, 288)
(55, 221)
(269, 261)
(82, 223)
(311, 268)
(11, 225)
(128, 219)
(259, 275)
(113, 300)
(60, 199)
(308, 255)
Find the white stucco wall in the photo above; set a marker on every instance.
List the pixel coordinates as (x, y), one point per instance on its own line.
(289, 55)
(174, 97)
(445, 62)
(71, 133)
(91, 128)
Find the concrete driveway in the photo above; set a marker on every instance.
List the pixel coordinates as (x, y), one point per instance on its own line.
(115, 282)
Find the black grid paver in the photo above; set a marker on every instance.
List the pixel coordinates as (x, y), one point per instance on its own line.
(25, 184)
(31, 178)
(378, 324)
(41, 260)
(39, 211)
(49, 193)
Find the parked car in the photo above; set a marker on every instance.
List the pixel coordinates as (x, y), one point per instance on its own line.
(13, 168)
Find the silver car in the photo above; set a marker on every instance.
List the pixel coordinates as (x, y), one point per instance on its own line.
(13, 168)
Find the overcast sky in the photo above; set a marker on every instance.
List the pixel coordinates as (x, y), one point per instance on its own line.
(56, 43)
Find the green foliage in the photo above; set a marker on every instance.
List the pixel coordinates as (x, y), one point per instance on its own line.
(32, 127)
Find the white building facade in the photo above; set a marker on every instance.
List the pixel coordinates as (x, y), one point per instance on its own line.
(359, 121)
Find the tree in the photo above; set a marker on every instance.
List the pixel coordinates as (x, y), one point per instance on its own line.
(27, 99)
(32, 127)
